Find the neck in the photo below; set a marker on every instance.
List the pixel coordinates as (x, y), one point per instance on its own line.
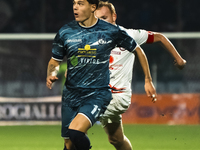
(89, 22)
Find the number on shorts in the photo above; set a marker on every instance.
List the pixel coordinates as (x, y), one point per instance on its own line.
(96, 110)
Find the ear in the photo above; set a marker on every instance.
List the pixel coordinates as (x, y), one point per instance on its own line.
(93, 7)
(114, 17)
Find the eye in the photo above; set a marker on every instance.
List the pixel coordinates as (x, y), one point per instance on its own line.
(104, 17)
(81, 4)
(74, 2)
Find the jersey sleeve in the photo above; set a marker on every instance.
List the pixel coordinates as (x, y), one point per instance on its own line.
(141, 36)
(150, 37)
(125, 41)
(58, 52)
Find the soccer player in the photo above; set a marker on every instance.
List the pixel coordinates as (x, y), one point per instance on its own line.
(87, 42)
(120, 76)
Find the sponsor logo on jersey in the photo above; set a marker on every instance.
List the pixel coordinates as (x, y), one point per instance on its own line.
(116, 52)
(116, 67)
(87, 55)
(87, 52)
(89, 61)
(74, 40)
(74, 60)
(111, 59)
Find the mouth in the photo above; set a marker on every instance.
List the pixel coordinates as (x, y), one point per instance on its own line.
(75, 15)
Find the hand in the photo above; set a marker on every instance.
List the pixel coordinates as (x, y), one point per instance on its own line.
(50, 80)
(180, 64)
(150, 90)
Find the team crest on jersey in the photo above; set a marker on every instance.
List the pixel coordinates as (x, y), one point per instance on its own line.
(122, 49)
(102, 41)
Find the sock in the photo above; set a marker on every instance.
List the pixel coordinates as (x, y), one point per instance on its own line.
(79, 139)
(65, 148)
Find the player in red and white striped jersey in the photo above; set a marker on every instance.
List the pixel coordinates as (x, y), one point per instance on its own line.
(121, 66)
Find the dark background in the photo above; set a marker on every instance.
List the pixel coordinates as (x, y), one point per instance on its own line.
(49, 15)
(23, 63)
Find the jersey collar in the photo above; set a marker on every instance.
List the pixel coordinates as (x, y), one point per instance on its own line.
(89, 26)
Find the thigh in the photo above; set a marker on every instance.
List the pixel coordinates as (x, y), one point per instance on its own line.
(87, 115)
(68, 114)
(93, 108)
(114, 130)
(118, 105)
(80, 123)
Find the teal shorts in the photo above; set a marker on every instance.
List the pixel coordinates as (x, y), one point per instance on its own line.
(92, 108)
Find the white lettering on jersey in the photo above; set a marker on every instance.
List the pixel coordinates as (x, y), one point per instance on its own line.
(74, 40)
(89, 60)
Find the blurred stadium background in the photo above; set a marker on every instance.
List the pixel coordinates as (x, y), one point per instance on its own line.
(27, 29)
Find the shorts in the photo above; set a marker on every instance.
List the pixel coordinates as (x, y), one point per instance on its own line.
(118, 105)
(92, 108)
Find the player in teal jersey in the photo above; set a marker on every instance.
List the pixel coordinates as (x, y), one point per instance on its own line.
(87, 43)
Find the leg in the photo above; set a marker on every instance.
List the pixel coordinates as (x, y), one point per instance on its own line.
(112, 122)
(116, 136)
(67, 116)
(68, 145)
(83, 126)
(75, 127)
(77, 130)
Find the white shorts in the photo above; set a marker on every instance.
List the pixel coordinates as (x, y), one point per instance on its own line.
(118, 105)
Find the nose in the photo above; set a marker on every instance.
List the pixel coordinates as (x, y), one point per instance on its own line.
(75, 6)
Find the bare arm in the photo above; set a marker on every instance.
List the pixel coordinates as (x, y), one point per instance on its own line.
(149, 87)
(179, 61)
(52, 71)
(66, 73)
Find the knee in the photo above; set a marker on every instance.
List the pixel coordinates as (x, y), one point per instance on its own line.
(79, 139)
(116, 141)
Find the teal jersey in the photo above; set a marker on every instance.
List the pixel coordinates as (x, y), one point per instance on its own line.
(88, 52)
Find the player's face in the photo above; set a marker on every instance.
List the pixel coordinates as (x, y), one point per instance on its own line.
(83, 10)
(105, 14)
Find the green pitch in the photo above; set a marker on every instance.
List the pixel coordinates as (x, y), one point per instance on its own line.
(142, 137)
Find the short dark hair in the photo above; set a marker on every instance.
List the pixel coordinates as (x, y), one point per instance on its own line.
(96, 2)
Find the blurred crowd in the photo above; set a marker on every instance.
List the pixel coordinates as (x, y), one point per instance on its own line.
(23, 63)
(33, 16)
(47, 16)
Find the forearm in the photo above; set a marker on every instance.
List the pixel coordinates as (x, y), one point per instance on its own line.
(165, 42)
(144, 63)
(66, 73)
(53, 67)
